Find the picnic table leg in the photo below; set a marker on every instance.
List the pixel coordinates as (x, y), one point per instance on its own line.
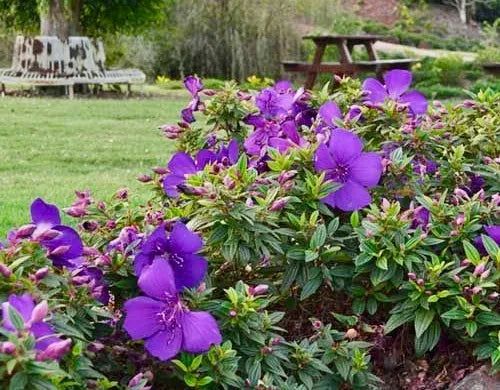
(372, 54)
(318, 56)
(345, 57)
(71, 92)
(3, 90)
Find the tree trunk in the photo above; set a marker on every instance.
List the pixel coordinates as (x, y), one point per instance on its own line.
(462, 11)
(60, 22)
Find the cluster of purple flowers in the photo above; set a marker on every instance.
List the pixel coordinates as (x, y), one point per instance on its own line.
(165, 265)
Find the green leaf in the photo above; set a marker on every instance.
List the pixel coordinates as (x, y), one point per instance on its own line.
(310, 287)
(423, 319)
(19, 381)
(371, 305)
(489, 318)
(15, 318)
(343, 367)
(471, 328)
(398, 319)
(491, 246)
(196, 363)
(454, 314)
(310, 255)
(354, 221)
(190, 379)
(428, 340)
(205, 381)
(471, 252)
(319, 237)
(358, 305)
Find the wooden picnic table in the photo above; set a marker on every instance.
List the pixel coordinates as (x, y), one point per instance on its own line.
(346, 66)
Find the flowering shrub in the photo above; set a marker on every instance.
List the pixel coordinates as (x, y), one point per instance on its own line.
(291, 238)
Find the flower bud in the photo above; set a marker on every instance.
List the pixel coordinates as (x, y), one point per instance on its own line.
(144, 178)
(461, 194)
(41, 273)
(266, 350)
(135, 380)
(233, 313)
(287, 186)
(493, 295)
(209, 92)
(55, 350)
(228, 182)
(202, 287)
(428, 292)
(479, 269)
(89, 251)
(276, 341)
(76, 212)
(60, 250)
(351, 334)
(465, 263)
(103, 260)
(160, 170)
(460, 220)
(258, 290)
(457, 278)
(469, 103)
(8, 348)
(286, 175)
(79, 280)
(39, 312)
(412, 276)
(453, 233)
(122, 193)
(95, 347)
(101, 205)
(420, 282)
(485, 274)
(25, 231)
(49, 234)
(90, 226)
(5, 271)
(110, 224)
(317, 324)
(249, 202)
(476, 290)
(279, 204)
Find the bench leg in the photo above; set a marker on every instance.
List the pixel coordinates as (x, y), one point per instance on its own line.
(311, 76)
(71, 92)
(3, 90)
(129, 90)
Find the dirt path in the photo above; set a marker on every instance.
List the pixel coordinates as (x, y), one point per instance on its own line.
(414, 52)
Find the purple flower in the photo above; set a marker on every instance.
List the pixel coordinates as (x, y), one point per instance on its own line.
(178, 250)
(93, 278)
(288, 138)
(345, 163)
(129, 236)
(30, 313)
(494, 232)
(274, 103)
(421, 218)
(63, 243)
(328, 113)
(163, 321)
(396, 87)
(194, 85)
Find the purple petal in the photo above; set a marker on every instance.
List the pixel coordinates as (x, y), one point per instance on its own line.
(156, 242)
(494, 232)
(256, 141)
(187, 115)
(141, 320)
(344, 146)
(44, 215)
(142, 260)
(376, 91)
(189, 270)
(329, 111)
(24, 304)
(397, 81)
(255, 120)
(366, 169)
(182, 164)
(199, 332)
(205, 157)
(280, 143)
(323, 160)
(283, 86)
(157, 279)
(170, 184)
(193, 84)
(183, 240)
(233, 151)
(329, 199)
(290, 130)
(41, 329)
(166, 344)
(68, 238)
(352, 196)
(416, 101)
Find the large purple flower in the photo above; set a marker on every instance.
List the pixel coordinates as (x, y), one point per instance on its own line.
(25, 305)
(345, 163)
(163, 321)
(179, 250)
(329, 112)
(194, 85)
(494, 232)
(396, 87)
(63, 243)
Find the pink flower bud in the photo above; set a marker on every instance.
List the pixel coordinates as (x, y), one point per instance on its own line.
(493, 295)
(476, 290)
(101, 205)
(41, 273)
(485, 274)
(49, 234)
(5, 271)
(90, 226)
(420, 282)
(202, 287)
(457, 278)
(122, 193)
(76, 212)
(233, 313)
(103, 260)
(110, 224)
(453, 233)
(25, 231)
(39, 312)
(279, 204)
(60, 250)
(412, 276)
(286, 175)
(160, 170)
(228, 182)
(469, 103)
(266, 350)
(258, 290)
(144, 178)
(320, 138)
(385, 204)
(79, 280)
(55, 350)
(465, 263)
(317, 324)
(135, 380)
(209, 92)
(95, 347)
(479, 269)
(460, 220)
(249, 202)
(461, 194)
(351, 334)
(89, 251)
(8, 348)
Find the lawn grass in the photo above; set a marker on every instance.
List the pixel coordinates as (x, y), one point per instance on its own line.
(51, 147)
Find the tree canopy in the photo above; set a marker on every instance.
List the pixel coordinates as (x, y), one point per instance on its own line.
(93, 17)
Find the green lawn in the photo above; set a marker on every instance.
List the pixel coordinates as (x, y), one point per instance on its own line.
(51, 147)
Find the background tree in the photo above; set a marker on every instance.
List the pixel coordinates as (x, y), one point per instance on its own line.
(464, 6)
(63, 18)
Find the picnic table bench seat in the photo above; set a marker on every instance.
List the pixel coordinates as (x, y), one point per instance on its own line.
(346, 66)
